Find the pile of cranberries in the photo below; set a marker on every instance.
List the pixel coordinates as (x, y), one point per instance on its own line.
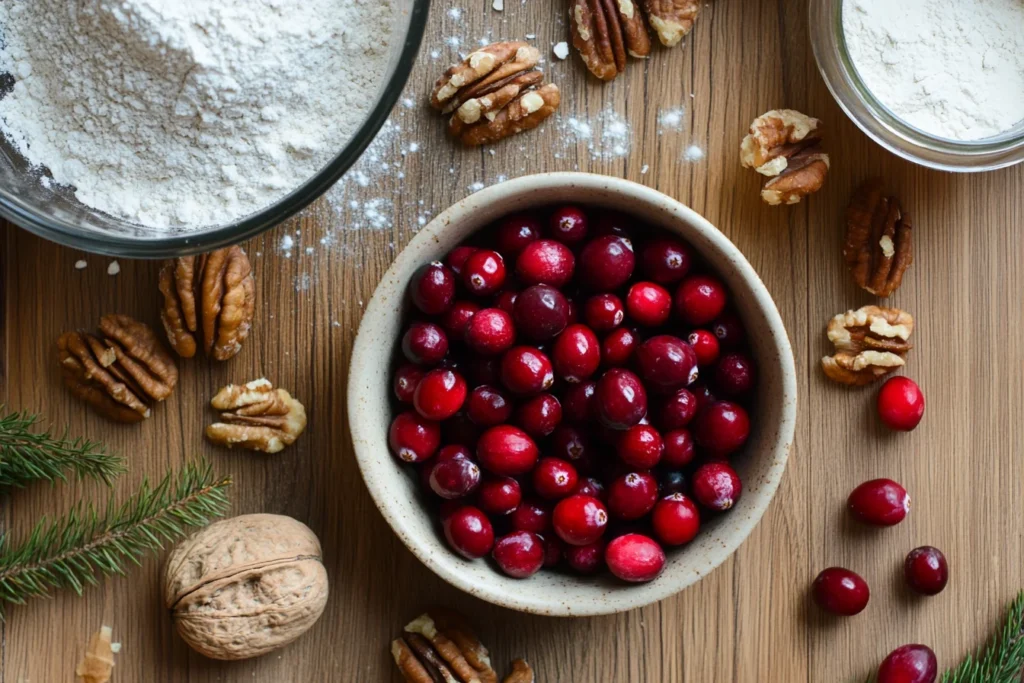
(572, 385)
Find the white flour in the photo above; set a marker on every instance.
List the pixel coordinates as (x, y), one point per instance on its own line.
(185, 113)
(953, 68)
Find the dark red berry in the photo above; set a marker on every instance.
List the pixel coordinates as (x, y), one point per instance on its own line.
(648, 304)
(705, 345)
(531, 515)
(469, 532)
(722, 428)
(576, 353)
(525, 370)
(440, 394)
(618, 347)
(490, 332)
(569, 442)
(413, 438)
(666, 261)
(545, 262)
(703, 396)
(735, 375)
(568, 225)
(432, 288)
(541, 312)
(675, 519)
(424, 344)
(580, 520)
(673, 481)
(506, 301)
(632, 495)
(606, 263)
(604, 312)
(499, 495)
(909, 664)
(554, 550)
(589, 486)
(457, 258)
(728, 329)
(585, 559)
(666, 363)
(635, 558)
(578, 402)
(456, 321)
(880, 502)
(679, 448)
(716, 486)
(641, 447)
(539, 415)
(515, 232)
(554, 478)
(454, 477)
(900, 404)
(621, 399)
(406, 378)
(700, 299)
(926, 570)
(488, 406)
(483, 370)
(840, 591)
(519, 554)
(507, 451)
(483, 273)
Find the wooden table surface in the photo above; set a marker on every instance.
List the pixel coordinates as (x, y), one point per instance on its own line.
(748, 621)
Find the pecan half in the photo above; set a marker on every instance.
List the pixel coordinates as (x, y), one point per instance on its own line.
(212, 295)
(606, 32)
(482, 70)
(256, 416)
(671, 19)
(870, 343)
(785, 146)
(507, 112)
(878, 248)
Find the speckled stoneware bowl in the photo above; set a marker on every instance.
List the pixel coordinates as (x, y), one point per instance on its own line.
(395, 489)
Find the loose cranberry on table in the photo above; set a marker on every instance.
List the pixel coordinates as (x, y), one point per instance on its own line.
(531, 515)
(728, 330)
(606, 262)
(507, 451)
(499, 495)
(568, 225)
(483, 273)
(539, 415)
(633, 495)
(641, 447)
(735, 375)
(469, 532)
(516, 232)
(621, 399)
(678, 410)
(909, 664)
(635, 558)
(456, 320)
(554, 478)
(675, 519)
(406, 378)
(554, 550)
(569, 442)
(716, 486)
(840, 591)
(705, 345)
(618, 347)
(526, 370)
(580, 519)
(666, 363)
(453, 477)
(576, 353)
(880, 502)
(679, 448)
(457, 258)
(540, 312)
(722, 428)
(585, 559)
(490, 332)
(519, 554)
(440, 394)
(488, 406)
(578, 401)
(673, 481)
(700, 299)
(545, 262)
(604, 312)
(900, 404)
(413, 438)
(648, 304)
(432, 288)
(424, 344)
(926, 570)
(666, 261)
(589, 486)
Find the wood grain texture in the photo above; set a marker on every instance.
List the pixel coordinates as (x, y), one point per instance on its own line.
(748, 621)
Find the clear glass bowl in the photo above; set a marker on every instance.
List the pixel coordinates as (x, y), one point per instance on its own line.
(56, 215)
(884, 127)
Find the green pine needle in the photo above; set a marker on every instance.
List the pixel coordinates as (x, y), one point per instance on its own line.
(27, 455)
(1002, 660)
(69, 552)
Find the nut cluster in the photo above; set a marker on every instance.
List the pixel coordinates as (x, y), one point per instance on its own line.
(785, 146)
(870, 343)
(878, 248)
(256, 416)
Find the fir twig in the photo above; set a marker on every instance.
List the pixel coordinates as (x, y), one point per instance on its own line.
(1002, 660)
(69, 552)
(28, 455)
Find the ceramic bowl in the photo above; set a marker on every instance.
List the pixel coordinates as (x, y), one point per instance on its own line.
(395, 488)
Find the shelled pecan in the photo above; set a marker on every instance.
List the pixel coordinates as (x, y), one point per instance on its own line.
(870, 343)
(785, 146)
(879, 247)
(672, 19)
(256, 416)
(606, 32)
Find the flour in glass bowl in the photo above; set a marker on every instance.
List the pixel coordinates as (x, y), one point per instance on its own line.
(178, 114)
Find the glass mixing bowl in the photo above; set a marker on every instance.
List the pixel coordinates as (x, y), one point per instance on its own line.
(884, 127)
(56, 215)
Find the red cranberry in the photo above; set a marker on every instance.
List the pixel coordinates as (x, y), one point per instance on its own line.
(483, 273)
(469, 532)
(604, 312)
(606, 263)
(578, 402)
(618, 347)
(545, 262)
(487, 406)
(926, 570)
(432, 288)
(632, 495)
(641, 447)
(531, 515)
(454, 477)
(519, 554)
(569, 442)
(909, 664)
(576, 353)
(515, 233)
(456, 320)
(580, 520)
(705, 345)
(635, 558)
(459, 429)
(541, 312)
(506, 301)
(648, 304)
(457, 258)
(704, 397)
(406, 378)
(440, 394)
(499, 495)
(679, 448)
(723, 427)
(880, 502)
(507, 451)
(589, 486)
(621, 399)
(679, 410)
(716, 486)
(700, 299)
(490, 332)
(735, 375)
(539, 416)
(525, 370)
(900, 404)
(568, 225)
(840, 591)
(585, 559)
(673, 481)
(483, 370)
(554, 478)
(554, 550)
(666, 362)
(424, 344)
(665, 261)
(728, 329)
(413, 438)
(675, 519)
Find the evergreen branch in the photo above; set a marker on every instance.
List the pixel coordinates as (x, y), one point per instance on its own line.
(69, 552)
(1002, 660)
(27, 455)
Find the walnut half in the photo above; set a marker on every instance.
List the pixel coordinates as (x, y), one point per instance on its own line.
(672, 19)
(785, 146)
(870, 343)
(256, 416)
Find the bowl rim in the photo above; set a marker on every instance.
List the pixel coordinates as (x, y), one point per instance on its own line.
(366, 446)
(184, 244)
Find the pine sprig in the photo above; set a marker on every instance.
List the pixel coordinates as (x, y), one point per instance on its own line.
(1002, 659)
(69, 552)
(28, 455)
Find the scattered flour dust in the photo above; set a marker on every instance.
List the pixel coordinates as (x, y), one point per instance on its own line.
(606, 135)
(671, 120)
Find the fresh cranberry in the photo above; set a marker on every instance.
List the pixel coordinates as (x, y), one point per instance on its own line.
(545, 262)
(618, 347)
(700, 299)
(459, 429)
(666, 363)
(576, 353)
(454, 477)
(723, 427)
(705, 345)
(525, 370)
(880, 502)
(606, 263)
(539, 416)
(679, 410)
(909, 664)
(506, 301)
(604, 312)
(515, 232)
(735, 375)
(635, 558)
(554, 478)
(585, 559)
(901, 404)
(675, 519)
(673, 481)
(483, 370)
(648, 304)
(665, 261)
(413, 438)
(679, 448)
(716, 486)
(703, 396)
(641, 447)
(519, 554)
(424, 344)
(580, 520)
(613, 223)
(432, 288)
(457, 258)
(440, 394)
(621, 399)
(589, 486)
(632, 495)
(499, 495)
(456, 319)
(531, 515)
(469, 532)
(569, 442)
(728, 329)
(578, 401)
(406, 378)
(568, 225)
(483, 273)
(926, 570)
(507, 451)
(554, 550)
(487, 406)
(541, 312)
(490, 332)
(840, 591)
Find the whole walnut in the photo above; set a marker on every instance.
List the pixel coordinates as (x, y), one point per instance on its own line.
(245, 586)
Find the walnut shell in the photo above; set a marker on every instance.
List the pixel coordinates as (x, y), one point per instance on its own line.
(245, 586)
